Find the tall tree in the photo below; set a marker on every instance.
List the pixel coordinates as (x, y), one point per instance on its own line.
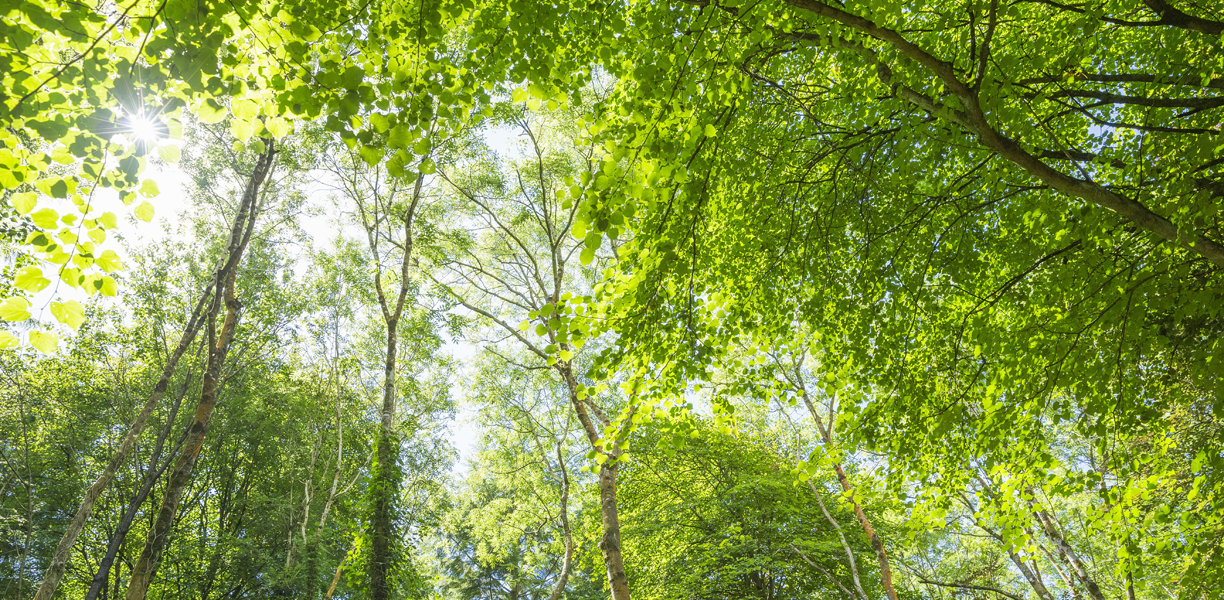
(220, 334)
(386, 208)
(519, 273)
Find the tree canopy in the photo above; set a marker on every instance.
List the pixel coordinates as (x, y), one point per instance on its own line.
(733, 298)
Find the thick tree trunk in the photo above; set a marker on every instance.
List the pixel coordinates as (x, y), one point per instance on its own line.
(1030, 574)
(224, 282)
(610, 544)
(59, 560)
(854, 572)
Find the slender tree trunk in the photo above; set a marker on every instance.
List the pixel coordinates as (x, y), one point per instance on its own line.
(102, 577)
(219, 341)
(1030, 574)
(876, 544)
(386, 481)
(385, 484)
(609, 544)
(854, 572)
(59, 560)
(1073, 559)
(563, 578)
(332, 588)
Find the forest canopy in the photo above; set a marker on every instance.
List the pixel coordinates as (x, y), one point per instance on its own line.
(654, 299)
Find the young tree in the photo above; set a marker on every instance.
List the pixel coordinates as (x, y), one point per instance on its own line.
(510, 528)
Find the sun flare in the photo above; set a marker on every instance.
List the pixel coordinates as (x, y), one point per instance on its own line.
(143, 128)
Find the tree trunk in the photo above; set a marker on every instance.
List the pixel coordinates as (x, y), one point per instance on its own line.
(609, 544)
(384, 488)
(386, 480)
(332, 588)
(876, 544)
(219, 341)
(59, 560)
(563, 578)
(1030, 574)
(854, 572)
(1073, 559)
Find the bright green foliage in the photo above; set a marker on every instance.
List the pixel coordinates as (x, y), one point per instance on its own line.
(962, 295)
(718, 519)
(504, 534)
(991, 230)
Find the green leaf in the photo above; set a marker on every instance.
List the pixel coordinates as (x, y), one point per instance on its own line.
(46, 218)
(279, 127)
(170, 153)
(242, 129)
(44, 342)
(8, 340)
(108, 287)
(244, 109)
(395, 166)
(31, 279)
(421, 147)
(109, 220)
(371, 155)
(144, 212)
(24, 202)
(70, 313)
(148, 188)
(211, 111)
(109, 261)
(400, 137)
(15, 309)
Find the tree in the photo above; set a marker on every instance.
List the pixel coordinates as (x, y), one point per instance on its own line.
(520, 267)
(989, 233)
(219, 336)
(386, 207)
(922, 189)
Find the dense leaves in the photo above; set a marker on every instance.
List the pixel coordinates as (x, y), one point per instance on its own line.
(946, 278)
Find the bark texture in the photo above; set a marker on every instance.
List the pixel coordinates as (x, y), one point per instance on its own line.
(609, 543)
(877, 544)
